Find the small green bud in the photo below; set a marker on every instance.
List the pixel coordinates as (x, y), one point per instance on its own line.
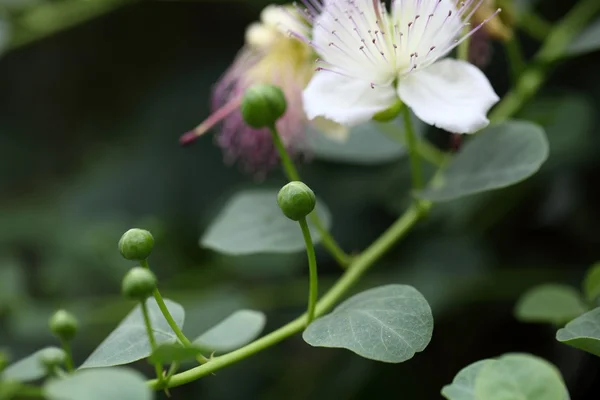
(139, 283)
(263, 105)
(52, 357)
(296, 200)
(136, 244)
(390, 113)
(63, 325)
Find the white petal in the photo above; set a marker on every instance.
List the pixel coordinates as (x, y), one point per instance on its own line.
(345, 100)
(450, 94)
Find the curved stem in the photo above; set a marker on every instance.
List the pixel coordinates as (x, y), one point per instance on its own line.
(413, 154)
(292, 174)
(151, 338)
(358, 267)
(69, 352)
(169, 318)
(313, 291)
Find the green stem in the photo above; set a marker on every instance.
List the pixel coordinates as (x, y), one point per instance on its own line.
(30, 392)
(413, 154)
(313, 290)
(69, 352)
(515, 57)
(534, 25)
(426, 150)
(462, 52)
(292, 174)
(552, 49)
(169, 318)
(350, 277)
(151, 338)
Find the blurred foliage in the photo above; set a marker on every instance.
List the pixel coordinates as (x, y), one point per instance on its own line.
(89, 122)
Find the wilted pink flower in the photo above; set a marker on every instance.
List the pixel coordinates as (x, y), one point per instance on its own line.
(270, 56)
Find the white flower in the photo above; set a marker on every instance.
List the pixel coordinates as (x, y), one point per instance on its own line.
(371, 58)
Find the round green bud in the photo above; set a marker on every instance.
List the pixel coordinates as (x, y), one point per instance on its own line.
(136, 244)
(390, 113)
(263, 105)
(296, 200)
(52, 357)
(63, 325)
(139, 283)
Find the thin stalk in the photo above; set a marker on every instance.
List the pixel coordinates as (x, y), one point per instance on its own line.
(515, 57)
(413, 154)
(351, 276)
(69, 352)
(169, 318)
(292, 174)
(313, 290)
(151, 339)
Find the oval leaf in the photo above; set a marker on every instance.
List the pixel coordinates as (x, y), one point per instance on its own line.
(519, 376)
(500, 156)
(550, 303)
(168, 353)
(129, 341)
(100, 384)
(591, 283)
(27, 369)
(587, 42)
(463, 384)
(389, 323)
(233, 332)
(365, 144)
(251, 222)
(583, 332)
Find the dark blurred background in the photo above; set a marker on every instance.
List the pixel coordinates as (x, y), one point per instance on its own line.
(89, 124)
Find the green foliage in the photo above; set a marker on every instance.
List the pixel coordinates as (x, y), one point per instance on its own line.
(129, 342)
(583, 332)
(233, 332)
(463, 384)
(587, 41)
(251, 222)
(519, 376)
(100, 384)
(389, 323)
(508, 377)
(499, 156)
(27, 369)
(550, 303)
(591, 283)
(168, 353)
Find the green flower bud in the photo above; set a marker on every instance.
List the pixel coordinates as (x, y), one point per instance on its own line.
(263, 105)
(139, 283)
(63, 325)
(136, 244)
(296, 200)
(52, 357)
(390, 113)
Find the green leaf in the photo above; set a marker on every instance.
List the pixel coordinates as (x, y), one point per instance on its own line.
(251, 222)
(591, 283)
(550, 303)
(233, 332)
(129, 341)
(366, 144)
(587, 42)
(583, 332)
(168, 353)
(519, 376)
(500, 156)
(100, 384)
(463, 384)
(27, 369)
(389, 323)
